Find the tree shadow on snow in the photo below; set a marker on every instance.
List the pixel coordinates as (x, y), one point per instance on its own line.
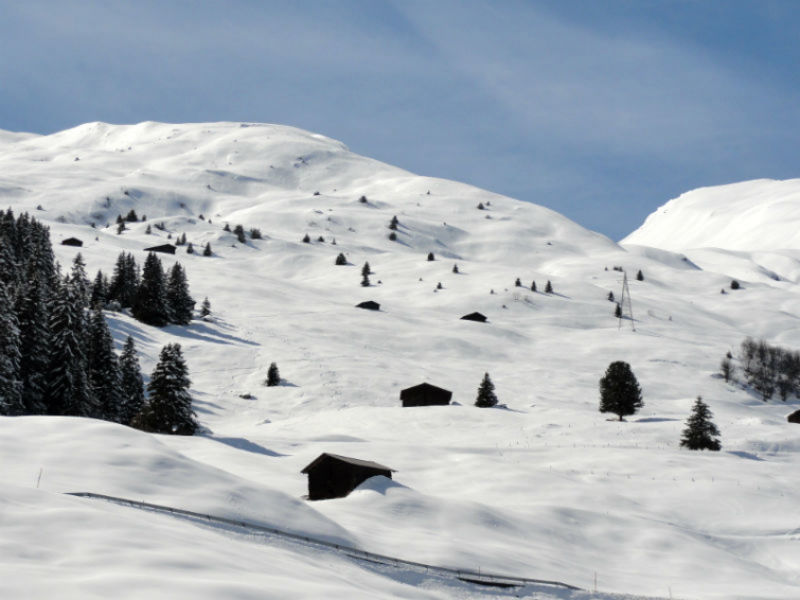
(747, 455)
(246, 445)
(654, 420)
(202, 332)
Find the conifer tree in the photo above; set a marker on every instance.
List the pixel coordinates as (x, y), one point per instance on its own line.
(99, 294)
(103, 367)
(180, 303)
(11, 402)
(548, 288)
(169, 405)
(131, 386)
(226, 228)
(131, 217)
(455, 268)
(700, 432)
(533, 286)
(205, 307)
(151, 298)
(80, 281)
(189, 248)
(617, 311)
(239, 233)
(340, 259)
(518, 282)
(67, 391)
(393, 223)
(33, 316)
(640, 276)
(431, 257)
(121, 227)
(207, 249)
(148, 230)
(727, 369)
(306, 239)
(611, 296)
(124, 281)
(366, 270)
(486, 396)
(365, 281)
(273, 376)
(619, 391)
(9, 269)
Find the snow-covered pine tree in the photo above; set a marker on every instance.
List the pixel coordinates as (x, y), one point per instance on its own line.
(9, 269)
(486, 396)
(180, 303)
(131, 386)
(700, 432)
(80, 281)
(67, 391)
(33, 316)
(273, 376)
(103, 366)
(169, 405)
(11, 402)
(151, 298)
(619, 390)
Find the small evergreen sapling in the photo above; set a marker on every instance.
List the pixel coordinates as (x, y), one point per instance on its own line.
(239, 233)
(700, 432)
(518, 282)
(611, 296)
(205, 307)
(618, 311)
(619, 391)
(273, 376)
(455, 269)
(486, 396)
(431, 257)
(533, 286)
(639, 275)
(207, 249)
(365, 280)
(306, 239)
(366, 269)
(393, 223)
(189, 248)
(548, 288)
(340, 259)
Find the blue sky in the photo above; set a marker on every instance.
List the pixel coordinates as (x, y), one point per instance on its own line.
(600, 110)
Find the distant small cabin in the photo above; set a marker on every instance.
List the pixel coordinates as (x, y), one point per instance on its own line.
(369, 305)
(475, 316)
(165, 248)
(425, 394)
(72, 242)
(334, 476)
(794, 417)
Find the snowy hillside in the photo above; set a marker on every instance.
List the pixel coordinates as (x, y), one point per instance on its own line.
(749, 228)
(547, 488)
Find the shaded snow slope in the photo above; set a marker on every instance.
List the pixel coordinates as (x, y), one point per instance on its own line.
(545, 488)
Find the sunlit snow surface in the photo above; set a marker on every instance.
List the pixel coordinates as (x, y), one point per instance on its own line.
(547, 488)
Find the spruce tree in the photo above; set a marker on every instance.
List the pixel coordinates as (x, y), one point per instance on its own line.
(619, 391)
(33, 316)
(431, 257)
(131, 217)
(455, 268)
(340, 259)
(151, 298)
(99, 294)
(124, 281)
(486, 396)
(393, 223)
(11, 402)
(366, 270)
(103, 366)
(273, 376)
(205, 308)
(131, 386)
(180, 303)
(80, 281)
(365, 281)
(189, 248)
(306, 239)
(618, 311)
(640, 276)
(548, 288)
(533, 286)
(67, 391)
(700, 432)
(518, 282)
(207, 249)
(727, 369)
(169, 405)
(239, 232)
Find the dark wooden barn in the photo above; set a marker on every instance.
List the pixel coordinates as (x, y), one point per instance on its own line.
(794, 417)
(475, 316)
(165, 248)
(72, 242)
(334, 476)
(425, 394)
(369, 305)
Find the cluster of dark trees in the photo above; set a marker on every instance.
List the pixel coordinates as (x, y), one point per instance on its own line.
(154, 296)
(621, 395)
(767, 369)
(56, 354)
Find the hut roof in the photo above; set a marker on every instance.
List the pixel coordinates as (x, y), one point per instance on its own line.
(72, 241)
(353, 461)
(166, 248)
(474, 316)
(424, 386)
(369, 304)
(794, 417)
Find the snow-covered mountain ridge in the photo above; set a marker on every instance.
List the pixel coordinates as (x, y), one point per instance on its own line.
(547, 488)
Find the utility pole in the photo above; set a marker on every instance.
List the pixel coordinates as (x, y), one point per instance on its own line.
(625, 304)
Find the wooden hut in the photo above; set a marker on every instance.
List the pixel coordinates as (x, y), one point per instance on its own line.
(475, 316)
(334, 476)
(72, 241)
(165, 248)
(425, 394)
(794, 417)
(369, 305)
